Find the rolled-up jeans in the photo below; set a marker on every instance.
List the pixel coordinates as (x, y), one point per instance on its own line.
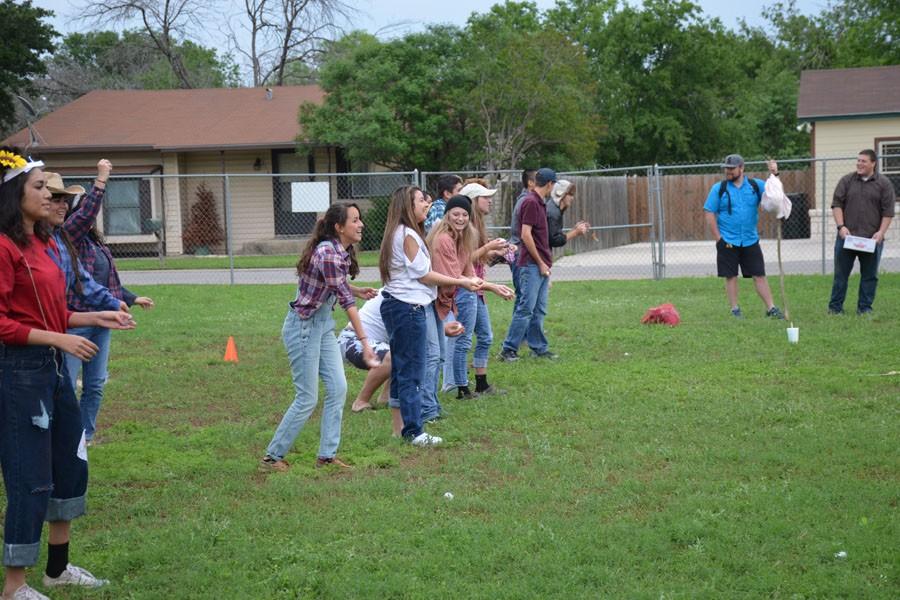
(314, 353)
(42, 448)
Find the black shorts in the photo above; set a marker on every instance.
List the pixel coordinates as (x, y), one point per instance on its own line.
(749, 258)
(351, 348)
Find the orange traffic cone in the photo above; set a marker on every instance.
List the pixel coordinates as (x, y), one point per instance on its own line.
(231, 350)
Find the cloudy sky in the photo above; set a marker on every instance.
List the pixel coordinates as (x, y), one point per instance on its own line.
(399, 16)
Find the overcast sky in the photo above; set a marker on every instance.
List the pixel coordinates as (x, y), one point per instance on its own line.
(400, 16)
(393, 18)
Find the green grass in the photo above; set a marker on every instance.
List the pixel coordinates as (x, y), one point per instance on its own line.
(275, 261)
(709, 460)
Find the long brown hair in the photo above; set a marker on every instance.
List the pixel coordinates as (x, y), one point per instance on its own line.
(326, 229)
(12, 223)
(401, 211)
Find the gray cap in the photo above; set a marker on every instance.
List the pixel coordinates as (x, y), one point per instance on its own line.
(733, 160)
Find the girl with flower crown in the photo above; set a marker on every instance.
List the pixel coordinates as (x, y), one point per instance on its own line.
(43, 453)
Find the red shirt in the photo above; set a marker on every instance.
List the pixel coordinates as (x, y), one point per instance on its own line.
(533, 212)
(19, 308)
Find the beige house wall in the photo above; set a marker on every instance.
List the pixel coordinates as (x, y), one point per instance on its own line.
(843, 139)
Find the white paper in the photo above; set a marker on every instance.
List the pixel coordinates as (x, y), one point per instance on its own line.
(860, 244)
(310, 196)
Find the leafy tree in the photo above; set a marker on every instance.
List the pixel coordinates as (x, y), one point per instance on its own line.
(25, 38)
(845, 34)
(393, 103)
(533, 97)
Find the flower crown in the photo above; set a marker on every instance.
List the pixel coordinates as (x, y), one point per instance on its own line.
(16, 165)
(11, 160)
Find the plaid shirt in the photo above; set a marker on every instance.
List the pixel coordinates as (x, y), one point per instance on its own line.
(93, 296)
(78, 225)
(325, 275)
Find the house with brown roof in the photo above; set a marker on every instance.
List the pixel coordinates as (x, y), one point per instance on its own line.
(166, 144)
(850, 110)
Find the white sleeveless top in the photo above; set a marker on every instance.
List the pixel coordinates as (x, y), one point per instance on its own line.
(404, 284)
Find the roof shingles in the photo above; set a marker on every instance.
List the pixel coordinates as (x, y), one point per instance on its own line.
(175, 119)
(849, 92)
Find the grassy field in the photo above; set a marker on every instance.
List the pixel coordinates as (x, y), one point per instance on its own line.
(709, 460)
(275, 261)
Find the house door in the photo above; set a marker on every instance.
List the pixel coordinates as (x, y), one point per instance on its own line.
(288, 222)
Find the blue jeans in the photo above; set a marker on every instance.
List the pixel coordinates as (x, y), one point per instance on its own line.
(94, 374)
(313, 353)
(456, 371)
(434, 355)
(406, 328)
(484, 333)
(868, 271)
(514, 269)
(528, 316)
(42, 448)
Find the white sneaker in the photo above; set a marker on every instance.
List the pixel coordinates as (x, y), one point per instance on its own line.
(74, 576)
(426, 439)
(28, 593)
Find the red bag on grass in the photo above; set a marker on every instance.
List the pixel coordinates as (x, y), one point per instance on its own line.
(664, 313)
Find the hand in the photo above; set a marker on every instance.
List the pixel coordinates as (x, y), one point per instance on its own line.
(544, 269)
(582, 227)
(878, 237)
(369, 356)
(144, 302)
(503, 291)
(123, 307)
(77, 346)
(773, 166)
(844, 232)
(366, 293)
(453, 329)
(104, 168)
(473, 284)
(114, 320)
(496, 245)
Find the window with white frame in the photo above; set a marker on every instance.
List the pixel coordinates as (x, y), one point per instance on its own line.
(889, 161)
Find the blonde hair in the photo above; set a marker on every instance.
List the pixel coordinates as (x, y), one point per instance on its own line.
(465, 239)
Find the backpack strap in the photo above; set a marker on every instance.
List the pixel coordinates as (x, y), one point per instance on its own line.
(723, 191)
(756, 189)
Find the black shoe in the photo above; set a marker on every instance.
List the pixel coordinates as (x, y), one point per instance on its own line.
(545, 354)
(832, 311)
(775, 313)
(864, 311)
(508, 355)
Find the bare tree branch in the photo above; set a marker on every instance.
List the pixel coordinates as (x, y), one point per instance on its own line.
(164, 21)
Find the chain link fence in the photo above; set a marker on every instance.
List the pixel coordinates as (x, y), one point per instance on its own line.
(646, 221)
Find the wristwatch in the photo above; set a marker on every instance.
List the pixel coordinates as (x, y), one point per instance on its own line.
(840, 227)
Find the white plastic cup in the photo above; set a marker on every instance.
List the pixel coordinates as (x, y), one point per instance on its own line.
(793, 334)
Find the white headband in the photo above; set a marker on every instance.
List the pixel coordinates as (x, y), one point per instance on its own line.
(13, 173)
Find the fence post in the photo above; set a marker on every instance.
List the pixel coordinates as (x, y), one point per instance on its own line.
(660, 211)
(824, 197)
(228, 240)
(415, 178)
(651, 214)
